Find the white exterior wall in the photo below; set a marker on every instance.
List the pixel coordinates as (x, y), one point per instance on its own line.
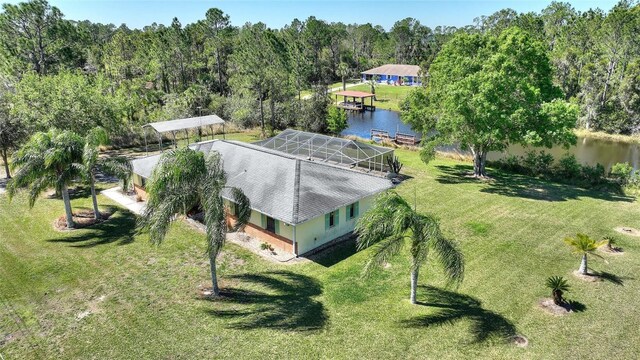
(312, 233)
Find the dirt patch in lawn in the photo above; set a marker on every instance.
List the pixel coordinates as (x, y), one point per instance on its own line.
(551, 308)
(230, 259)
(82, 219)
(628, 230)
(93, 307)
(520, 341)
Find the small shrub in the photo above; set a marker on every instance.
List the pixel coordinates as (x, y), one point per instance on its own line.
(336, 120)
(510, 163)
(538, 164)
(394, 164)
(568, 167)
(558, 286)
(266, 246)
(593, 175)
(611, 243)
(621, 173)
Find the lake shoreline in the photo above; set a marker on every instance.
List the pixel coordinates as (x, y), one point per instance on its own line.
(600, 135)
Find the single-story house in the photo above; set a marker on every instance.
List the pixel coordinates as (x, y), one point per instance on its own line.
(396, 74)
(297, 204)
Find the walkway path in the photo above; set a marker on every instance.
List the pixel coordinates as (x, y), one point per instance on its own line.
(128, 202)
(335, 89)
(241, 239)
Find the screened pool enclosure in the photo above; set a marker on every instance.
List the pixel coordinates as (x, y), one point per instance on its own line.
(329, 149)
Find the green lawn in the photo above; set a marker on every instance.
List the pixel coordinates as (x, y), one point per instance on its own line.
(144, 299)
(388, 96)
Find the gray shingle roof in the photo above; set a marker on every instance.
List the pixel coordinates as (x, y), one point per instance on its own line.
(283, 186)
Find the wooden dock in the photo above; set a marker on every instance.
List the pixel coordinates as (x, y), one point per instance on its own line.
(400, 138)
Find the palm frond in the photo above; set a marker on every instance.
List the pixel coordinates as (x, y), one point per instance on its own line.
(243, 206)
(172, 189)
(383, 251)
(389, 216)
(119, 167)
(450, 258)
(557, 283)
(582, 244)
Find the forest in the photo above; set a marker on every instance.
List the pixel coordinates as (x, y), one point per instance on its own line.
(76, 75)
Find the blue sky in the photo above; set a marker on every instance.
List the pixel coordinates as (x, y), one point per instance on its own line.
(138, 13)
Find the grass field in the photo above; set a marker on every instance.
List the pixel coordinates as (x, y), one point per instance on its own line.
(388, 96)
(106, 292)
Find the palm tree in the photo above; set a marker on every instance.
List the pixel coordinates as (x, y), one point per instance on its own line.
(558, 286)
(184, 180)
(343, 72)
(583, 245)
(391, 221)
(373, 82)
(118, 166)
(48, 159)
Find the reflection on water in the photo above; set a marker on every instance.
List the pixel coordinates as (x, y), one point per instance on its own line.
(587, 150)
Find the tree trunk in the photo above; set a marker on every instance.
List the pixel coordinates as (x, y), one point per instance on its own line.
(5, 160)
(583, 265)
(261, 111)
(612, 65)
(414, 283)
(214, 277)
(557, 297)
(479, 162)
(273, 114)
(219, 68)
(344, 84)
(67, 207)
(96, 211)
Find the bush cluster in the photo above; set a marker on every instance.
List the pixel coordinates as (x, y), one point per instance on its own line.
(567, 170)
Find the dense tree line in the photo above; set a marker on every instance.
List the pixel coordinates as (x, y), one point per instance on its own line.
(75, 75)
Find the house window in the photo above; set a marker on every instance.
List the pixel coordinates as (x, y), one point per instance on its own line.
(271, 224)
(143, 182)
(352, 211)
(331, 219)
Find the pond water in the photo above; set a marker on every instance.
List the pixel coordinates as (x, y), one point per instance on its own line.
(587, 150)
(361, 123)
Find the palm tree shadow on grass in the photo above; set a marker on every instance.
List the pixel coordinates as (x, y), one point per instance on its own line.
(485, 324)
(119, 228)
(612, 278)
(515, 185)
(285, 301)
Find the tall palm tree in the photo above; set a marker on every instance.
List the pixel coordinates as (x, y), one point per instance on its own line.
(343, 71)
(117, 166)
(390, 222)
(184, 180)
(48, 159)
(584, 245)
(373, 83)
